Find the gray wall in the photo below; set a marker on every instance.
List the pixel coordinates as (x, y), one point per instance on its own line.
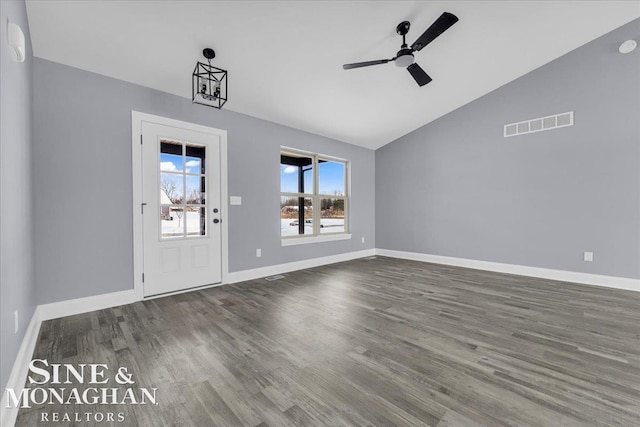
(83, 189)
(16, 207)
(456, 187)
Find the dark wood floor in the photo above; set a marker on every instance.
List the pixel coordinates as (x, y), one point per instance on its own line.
(369, 342)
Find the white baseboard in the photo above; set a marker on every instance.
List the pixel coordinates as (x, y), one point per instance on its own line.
(522, 270)
(20, 368)
(46, 312)
(85, 305)
(257, 273)
(99, 302)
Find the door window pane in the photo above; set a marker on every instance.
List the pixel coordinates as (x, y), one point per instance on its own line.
(171, 188)
(171, 224)
(194, 160)
(170, 156)
(195, 190)
(196, 221)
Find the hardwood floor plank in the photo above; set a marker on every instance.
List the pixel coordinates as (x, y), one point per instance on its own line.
(381, 341)
(216, 407)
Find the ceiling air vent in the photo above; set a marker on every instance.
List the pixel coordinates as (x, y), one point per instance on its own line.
(541, 123)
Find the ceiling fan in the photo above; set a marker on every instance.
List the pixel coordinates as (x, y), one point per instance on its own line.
(404, 57)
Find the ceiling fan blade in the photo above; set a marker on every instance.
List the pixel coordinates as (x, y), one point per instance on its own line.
(365, 64)
(441, 25)
(418, 74)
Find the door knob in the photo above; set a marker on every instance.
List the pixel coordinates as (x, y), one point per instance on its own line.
(215, 221)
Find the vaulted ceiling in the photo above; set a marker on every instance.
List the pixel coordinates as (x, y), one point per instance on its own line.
(285, 58)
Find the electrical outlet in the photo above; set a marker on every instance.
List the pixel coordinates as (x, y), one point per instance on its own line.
(15, 322)
(363, 240)
(588, 256)
(258, 253)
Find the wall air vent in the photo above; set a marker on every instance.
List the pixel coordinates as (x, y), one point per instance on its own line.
(541, 123)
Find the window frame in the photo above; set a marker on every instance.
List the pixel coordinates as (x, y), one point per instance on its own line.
(317, 197)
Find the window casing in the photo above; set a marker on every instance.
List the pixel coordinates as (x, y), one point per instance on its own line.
(314, 195)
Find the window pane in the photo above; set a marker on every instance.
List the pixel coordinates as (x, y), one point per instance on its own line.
(291, 208)
(196, 221)
(171, 188)
(331, 177)
(195, 160)
(170, 156)
(332, 216)
(288, 178)
(195, 190)
(291, 169)
(171, 224)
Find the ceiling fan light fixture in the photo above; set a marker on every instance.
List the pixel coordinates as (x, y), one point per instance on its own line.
(404, 60)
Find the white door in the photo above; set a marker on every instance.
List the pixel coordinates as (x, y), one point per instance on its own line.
(180, 209)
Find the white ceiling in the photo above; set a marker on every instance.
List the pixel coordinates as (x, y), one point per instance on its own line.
(285, 58)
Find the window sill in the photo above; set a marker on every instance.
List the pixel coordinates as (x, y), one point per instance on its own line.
(314, 239)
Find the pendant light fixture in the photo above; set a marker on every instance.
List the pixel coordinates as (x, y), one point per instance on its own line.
(208, 83)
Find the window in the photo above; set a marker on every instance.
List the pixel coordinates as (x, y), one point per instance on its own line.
(313, 195)
(182, 190)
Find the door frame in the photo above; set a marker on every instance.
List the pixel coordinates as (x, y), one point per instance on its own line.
(137, 118)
